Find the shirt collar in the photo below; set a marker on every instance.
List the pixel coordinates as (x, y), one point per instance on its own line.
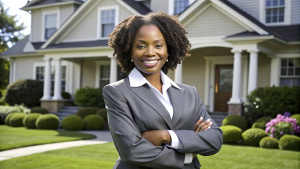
(136, 79)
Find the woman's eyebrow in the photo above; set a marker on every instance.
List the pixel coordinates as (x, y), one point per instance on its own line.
(145, 41)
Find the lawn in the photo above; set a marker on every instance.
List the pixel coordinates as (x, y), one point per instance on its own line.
(15, 137)
(103, 156)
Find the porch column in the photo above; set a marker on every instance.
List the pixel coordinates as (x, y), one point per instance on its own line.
(178, 74)
(113, 69)
(236, 85)
(47, 80)
(252, 81)
(11, 70)
(57, 80)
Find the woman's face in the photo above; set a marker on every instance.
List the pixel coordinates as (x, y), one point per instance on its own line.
(149, 50)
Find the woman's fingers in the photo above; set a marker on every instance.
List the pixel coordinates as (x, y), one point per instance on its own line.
(202, 125)
(197, 123)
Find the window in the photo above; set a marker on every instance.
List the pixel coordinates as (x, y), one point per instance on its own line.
(39, 75)
(107, 22)
(180, 5)
(275, 11)
(50, 25)
(290, 72)
(104, 78)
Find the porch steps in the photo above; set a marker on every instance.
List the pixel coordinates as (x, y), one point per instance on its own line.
(218, 117)
(66, 111)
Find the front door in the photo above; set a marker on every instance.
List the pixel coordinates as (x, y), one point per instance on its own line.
(223, 87)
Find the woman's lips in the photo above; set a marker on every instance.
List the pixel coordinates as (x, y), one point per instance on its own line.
(150, 63)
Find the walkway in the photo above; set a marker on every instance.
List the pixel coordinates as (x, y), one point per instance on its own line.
(102, 137)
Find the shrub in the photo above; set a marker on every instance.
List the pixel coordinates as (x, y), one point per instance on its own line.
(2, 94)
(231, 134)
(269, 142)
(39, 110)
(261, 122)
(93, 122)
(297, 117)
(30, 120)
(86, 111)
(253, 136)
(47, 121)
(5, 110)
(16, 120)
(289, 142)
(27, 92)
(72, 122)
(7, 118)
(102, 113)
(235, 120)
(269, 101)
(89, 97)
(65, 95)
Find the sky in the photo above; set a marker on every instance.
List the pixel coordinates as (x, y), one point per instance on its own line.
(14, 9)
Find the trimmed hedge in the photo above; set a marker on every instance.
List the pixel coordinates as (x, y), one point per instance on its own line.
(89, 97)
(236, 120)
(7, 118)
(5, 110)
(30, 120)
(73, 123)
(86, 111)
(93, 122)
(261, 122)
(297, 117)
(231, 134)
(16, 120)
(48, 122)
(269, 142)
(289, 142)
(253, 136)
(39, 110)
(102, 113)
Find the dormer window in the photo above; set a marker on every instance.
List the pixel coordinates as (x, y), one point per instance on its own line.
(275, 11)
(108, 18)
(50, 25)
(180, 5)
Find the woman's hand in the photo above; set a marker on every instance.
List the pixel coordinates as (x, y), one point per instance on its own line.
(157, 137)
(202, 125)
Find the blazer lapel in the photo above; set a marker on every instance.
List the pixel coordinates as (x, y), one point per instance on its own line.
(177, 99)
(146, 94)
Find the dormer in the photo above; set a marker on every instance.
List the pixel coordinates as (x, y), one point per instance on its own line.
(48, 15)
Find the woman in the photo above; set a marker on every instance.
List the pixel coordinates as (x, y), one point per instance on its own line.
(156, 123)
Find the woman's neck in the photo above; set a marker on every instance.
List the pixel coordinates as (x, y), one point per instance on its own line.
(154, 80)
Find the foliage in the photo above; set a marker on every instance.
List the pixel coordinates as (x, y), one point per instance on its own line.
(297, 117)
(86, 111)
(30, 120)
(231, 134)
(4, 72)
(253, 136)
(16, 120)
(102, 113)
(269, 101)
(65, 95)
(93, 122)
(89, 97)
(39, 110)
(2, 94)
(282, 125)
(72, 122)
(27, 92)
(48, 122)
(269, 142)
(5, 110)
(261, 122)
(7, 118)
(235, 120)
(289, 142)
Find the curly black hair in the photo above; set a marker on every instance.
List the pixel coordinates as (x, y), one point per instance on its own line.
(121, 39)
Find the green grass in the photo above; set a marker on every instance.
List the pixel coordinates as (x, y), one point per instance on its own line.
(16, 137)
(103, 156)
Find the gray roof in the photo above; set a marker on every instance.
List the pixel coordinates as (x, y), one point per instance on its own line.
(46, 2)
(17, 48)
(138, 6)
(79, 44)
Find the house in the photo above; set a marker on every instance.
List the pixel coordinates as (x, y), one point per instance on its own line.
(237, 46)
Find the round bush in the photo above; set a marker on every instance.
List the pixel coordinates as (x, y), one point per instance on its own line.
(7, 118)
(16, 120)
(47, 121)
(253, 136)
(102, 113)
(289, 142)
(93, 122)
(86, 111)
(65, 95)
(231, 134)
(269, 142)
(297, 117)
(236, 120)
(30, 120)
(27, 92)
(89, 97)
(72, 122)
(261, 122)
(39, 110)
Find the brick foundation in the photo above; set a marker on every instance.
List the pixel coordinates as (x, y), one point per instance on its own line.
(235, 109)
(54, 106)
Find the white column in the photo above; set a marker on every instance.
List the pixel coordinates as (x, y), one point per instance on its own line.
(57, 80)
(178, 74)
(11, 70)
(47, 80)
(113, 69)
(252, 81)
(275, 71)
(236, 85)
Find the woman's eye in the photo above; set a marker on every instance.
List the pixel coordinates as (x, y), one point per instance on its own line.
(159, 46)
(140, 46)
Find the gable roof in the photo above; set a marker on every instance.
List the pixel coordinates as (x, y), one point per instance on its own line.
(34, 4)
(17, 48)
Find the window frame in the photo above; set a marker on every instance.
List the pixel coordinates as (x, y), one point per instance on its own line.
(288, 76)
(99, 25)
(98, 71)
(172, 6)
(49, 12)
(287, 13)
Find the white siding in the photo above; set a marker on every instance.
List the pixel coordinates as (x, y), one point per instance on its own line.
(264, 69)
(249, 6)
(160, 5)
(65, 12)
(36, 25)
(295, 17)
(24, 67)
(212, 23)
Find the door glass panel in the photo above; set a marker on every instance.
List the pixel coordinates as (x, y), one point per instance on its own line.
(225, 80)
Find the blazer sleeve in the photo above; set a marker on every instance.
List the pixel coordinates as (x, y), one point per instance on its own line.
(206, 142)
(129, 143)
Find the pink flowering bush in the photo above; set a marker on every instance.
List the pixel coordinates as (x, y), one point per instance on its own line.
(282, 125)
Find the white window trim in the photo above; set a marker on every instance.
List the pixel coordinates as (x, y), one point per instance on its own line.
(172, 4)
(98, 64)
(287, 13)
(116, 8)
(49, 12)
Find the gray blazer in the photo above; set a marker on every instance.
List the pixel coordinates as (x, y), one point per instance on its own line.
(134, 110)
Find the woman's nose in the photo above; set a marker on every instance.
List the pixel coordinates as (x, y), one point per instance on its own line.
(150, 51)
